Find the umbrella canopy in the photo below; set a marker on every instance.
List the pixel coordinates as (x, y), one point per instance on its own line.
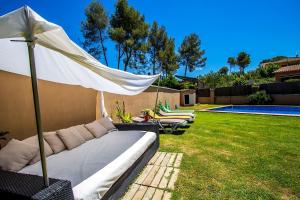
(58, 58)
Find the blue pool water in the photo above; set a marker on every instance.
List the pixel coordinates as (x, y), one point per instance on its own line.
(272, 110)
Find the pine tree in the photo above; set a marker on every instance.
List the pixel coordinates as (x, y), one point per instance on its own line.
(191, 55)
(156, 41)
(168, 60)
(129, 30)
(94, 30)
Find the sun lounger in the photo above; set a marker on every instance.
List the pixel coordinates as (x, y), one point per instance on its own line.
(167, 110)
(167, 125)
(156, 116)
(162, 113)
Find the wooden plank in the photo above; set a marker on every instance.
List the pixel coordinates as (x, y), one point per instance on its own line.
(173, 179)
(160, 158)
(129, 195)
(166, 160)
(167, 196)
(140, 193)
(178, 160)
(158, 194)
(144, 174)
(172, 159)
(158, 176)
(154, 158)
(165, 179)
(149, 194)
(151, 175)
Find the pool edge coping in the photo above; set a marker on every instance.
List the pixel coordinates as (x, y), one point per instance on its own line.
(251, 113)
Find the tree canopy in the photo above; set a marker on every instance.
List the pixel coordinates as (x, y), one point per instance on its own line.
(139, 47)
(157, 40)
(167, 57)
(129, 30)
(232, 62)
(94, 30)
(191, 55)
(223, 70)
(243, 60)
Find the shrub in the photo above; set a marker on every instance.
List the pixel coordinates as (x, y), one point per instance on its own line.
(187, 85)
(170, 82)
(268, 70)
(259, 98)
(239, 81)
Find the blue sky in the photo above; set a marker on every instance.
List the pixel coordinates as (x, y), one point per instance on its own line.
(262, 28)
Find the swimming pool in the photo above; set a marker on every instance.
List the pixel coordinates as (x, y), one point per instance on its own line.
(270, 110)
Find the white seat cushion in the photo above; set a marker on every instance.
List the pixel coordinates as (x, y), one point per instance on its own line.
(98, 163)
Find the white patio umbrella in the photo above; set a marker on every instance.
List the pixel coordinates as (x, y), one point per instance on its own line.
(32, 46)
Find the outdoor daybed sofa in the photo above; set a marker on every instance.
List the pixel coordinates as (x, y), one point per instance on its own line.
(101, 168)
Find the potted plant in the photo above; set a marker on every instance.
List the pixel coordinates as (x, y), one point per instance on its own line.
(121, 113)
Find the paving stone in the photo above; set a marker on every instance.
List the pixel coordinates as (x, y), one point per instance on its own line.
(149, 194)
(158, 194)
(178, 160)
(160, 158)
(151, 175)
(132, 190)
(167, 195)
(140, 193)
(158, 176)
(154, 158)
(172, 159)
(166, 177)
(173, 179)
(144, 174)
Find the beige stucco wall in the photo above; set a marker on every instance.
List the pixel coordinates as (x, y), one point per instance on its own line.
(61, 105)
(204, 100)
(135, 104)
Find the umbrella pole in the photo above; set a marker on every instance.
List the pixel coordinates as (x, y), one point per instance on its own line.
(30, 45)
(157, 91)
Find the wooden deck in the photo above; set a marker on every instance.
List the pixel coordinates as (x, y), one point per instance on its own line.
(158, 178)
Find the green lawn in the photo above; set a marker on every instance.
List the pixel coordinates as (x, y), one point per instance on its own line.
(238, 156)
(200, 107)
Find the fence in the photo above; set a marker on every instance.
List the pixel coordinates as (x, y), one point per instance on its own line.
(234, 91)
(281, 88)
(203, 92)
(281, 93)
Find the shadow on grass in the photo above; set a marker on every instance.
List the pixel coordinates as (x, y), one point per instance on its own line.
(176, 132)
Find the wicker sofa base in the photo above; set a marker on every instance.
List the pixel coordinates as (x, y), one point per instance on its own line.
(25, 186)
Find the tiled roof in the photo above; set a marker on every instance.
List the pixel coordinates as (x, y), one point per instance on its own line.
(291, 68)
(284, 60)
